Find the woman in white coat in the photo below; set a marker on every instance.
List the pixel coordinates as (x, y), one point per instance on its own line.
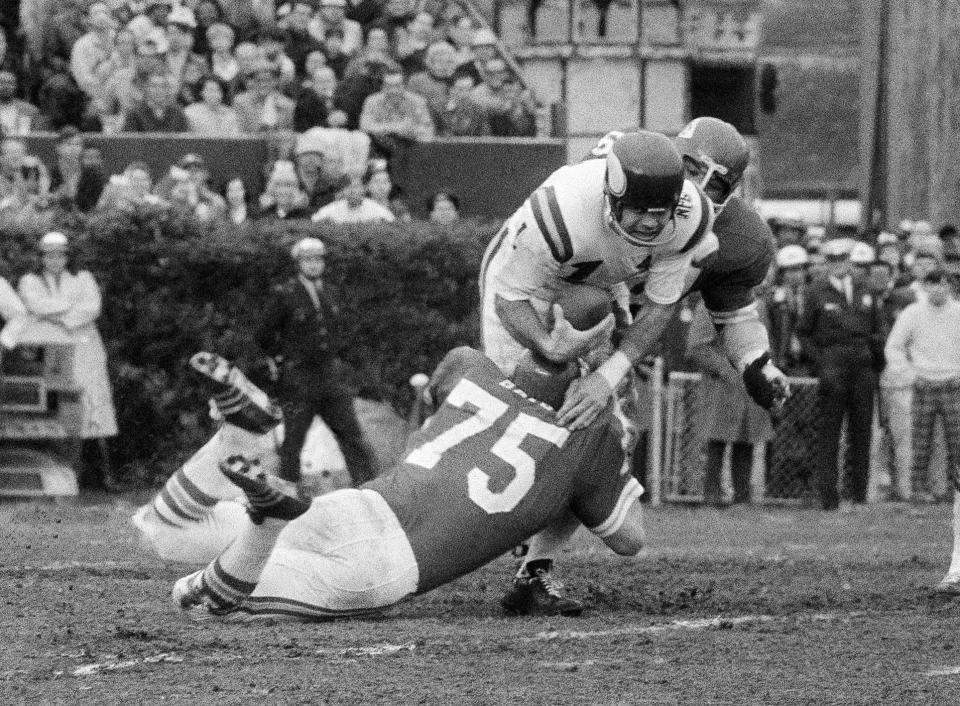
(72, 301)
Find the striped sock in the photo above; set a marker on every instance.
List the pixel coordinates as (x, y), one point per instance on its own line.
(182, 501)
(233, 575)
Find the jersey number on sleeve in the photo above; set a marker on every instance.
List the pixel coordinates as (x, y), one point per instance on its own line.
(507, 447)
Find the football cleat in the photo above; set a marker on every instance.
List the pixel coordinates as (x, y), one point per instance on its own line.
(539, 594)
(269, 496)
(949, 586)
(238, 400)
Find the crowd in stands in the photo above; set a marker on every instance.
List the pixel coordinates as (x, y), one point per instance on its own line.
(397, 71)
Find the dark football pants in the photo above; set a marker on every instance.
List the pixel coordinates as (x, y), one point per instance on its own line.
(306, 392)
(845, 391)
(931, 398)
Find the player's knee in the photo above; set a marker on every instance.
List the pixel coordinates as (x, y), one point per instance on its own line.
(628, 540)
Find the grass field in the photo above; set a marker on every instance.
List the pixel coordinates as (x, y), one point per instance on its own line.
(742, 606)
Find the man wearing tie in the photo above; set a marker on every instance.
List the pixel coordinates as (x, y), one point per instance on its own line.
(297, 333)
(840, 332)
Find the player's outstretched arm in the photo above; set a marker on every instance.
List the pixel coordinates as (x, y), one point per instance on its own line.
(589, 395)
(747, 345)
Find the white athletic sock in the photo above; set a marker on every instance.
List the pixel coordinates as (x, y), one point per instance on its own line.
(547, 543)
(233, 575)
(954, 569)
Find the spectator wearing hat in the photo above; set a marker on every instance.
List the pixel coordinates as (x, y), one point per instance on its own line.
(263, 108)
(298, 332)
(71, 301)
(511, 107)
(210, 116)
(320, 167)
(183, 65)
(158, 111)
(284, 199)
(210, 206)
(434, 82)
(839, 330)
(354, 206)
(784, 302)
(92, 51)
(153, 18)
(332, 16)
(925, 342)
(394, 117)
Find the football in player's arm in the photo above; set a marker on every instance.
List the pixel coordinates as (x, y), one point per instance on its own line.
(715, 156)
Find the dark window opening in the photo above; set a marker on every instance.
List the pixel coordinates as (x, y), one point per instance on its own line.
(725, 92)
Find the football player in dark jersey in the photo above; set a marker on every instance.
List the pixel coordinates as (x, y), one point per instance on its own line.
(487, 470)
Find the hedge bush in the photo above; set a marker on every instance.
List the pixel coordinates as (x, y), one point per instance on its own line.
(408, 293)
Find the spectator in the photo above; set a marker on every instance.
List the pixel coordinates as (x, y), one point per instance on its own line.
(263, 107)
(320, 168)
(354, 207)
(271, 42)
(210, 206)
(728, 415)
(183, 65)
(298, 327)
(158, 112)
(210, 116)
(12, 155)
(485, 49)
(950, 238)
(378, 182)
(512, 108)
(925, 342)
(93, 179)
(207, 13)
(460, 35)
(154, 17)
(129, 190)
(71, 301)
(364, 74)
(840, 332)
(298, 43)
(337, 59)
(104, 114)
(395, 15)
(434, 83)
(65, 175)
(444, 208)
(784, 302)
(91, 53)
(283, 194)
(395, 117)
(463, 115)
(115, 74)
(29, 200)
(332, 17)
(249, 57)
(237, 199)
(411, 42)
(318, 102)
(17, 117)
(223, 64)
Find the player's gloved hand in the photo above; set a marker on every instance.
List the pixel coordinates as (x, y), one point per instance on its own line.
(585, 399)
(766, 383)
(566, 343)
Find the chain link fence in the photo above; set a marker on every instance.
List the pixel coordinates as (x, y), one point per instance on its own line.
(784, 470)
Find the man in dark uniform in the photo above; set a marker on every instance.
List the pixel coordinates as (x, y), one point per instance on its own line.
(297, 328)
(841, 334)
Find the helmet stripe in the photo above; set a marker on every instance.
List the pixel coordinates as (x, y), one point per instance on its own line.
(546, 212)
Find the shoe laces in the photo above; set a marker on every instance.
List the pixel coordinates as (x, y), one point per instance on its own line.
(552, 586)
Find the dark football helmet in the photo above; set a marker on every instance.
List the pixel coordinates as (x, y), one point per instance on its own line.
(715, 157)
(643, 184)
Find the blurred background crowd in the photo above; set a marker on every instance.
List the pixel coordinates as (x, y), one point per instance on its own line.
(340, 90)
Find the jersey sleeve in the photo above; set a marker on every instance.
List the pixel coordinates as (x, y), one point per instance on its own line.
(607, 490)
(666, 279)
(530, 269)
